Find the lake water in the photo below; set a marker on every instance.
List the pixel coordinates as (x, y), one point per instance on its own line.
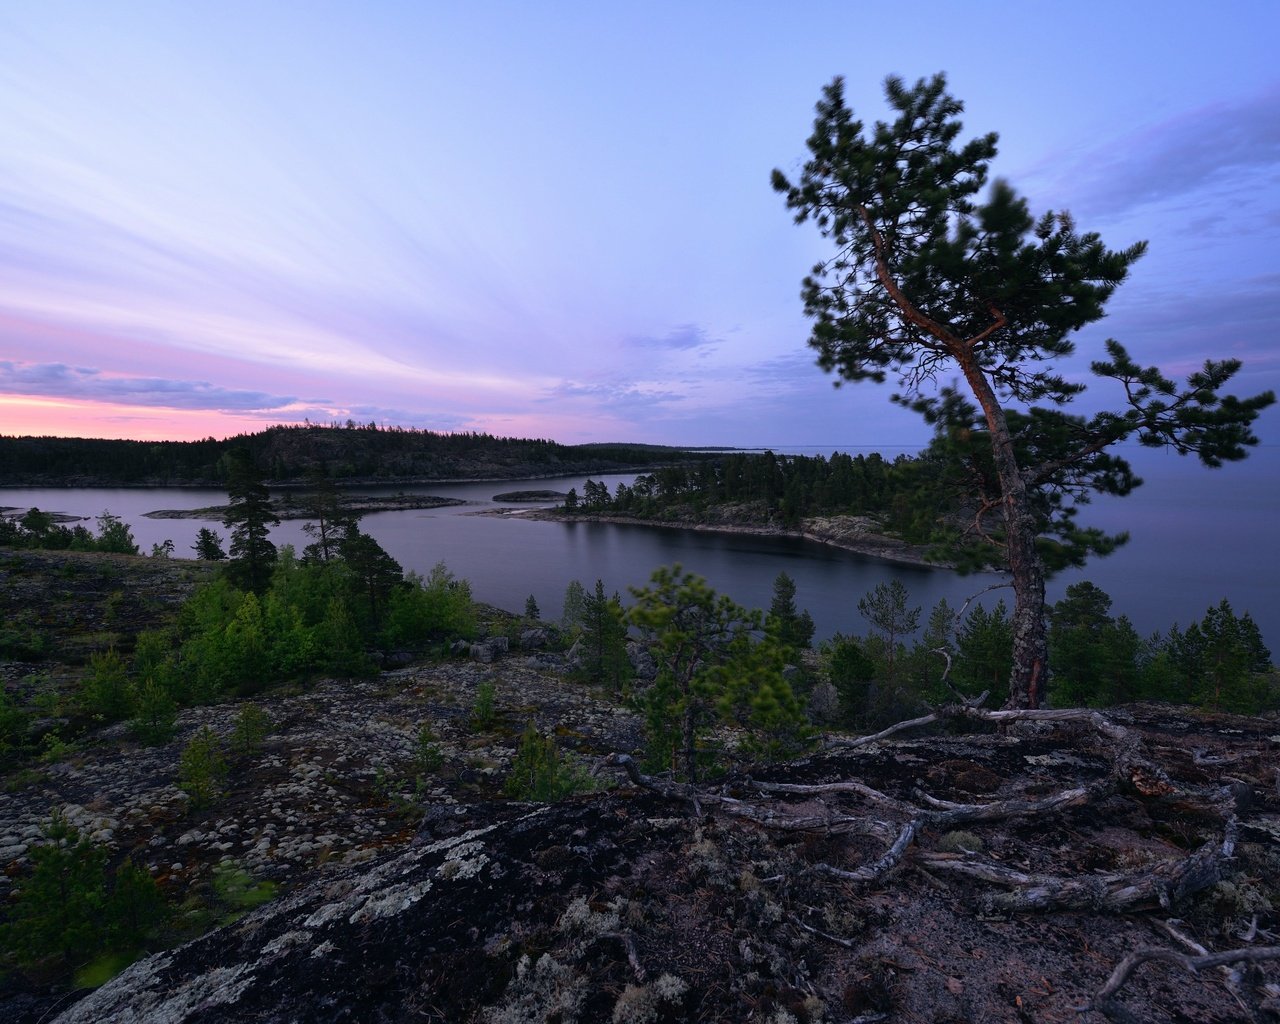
(1197, 536)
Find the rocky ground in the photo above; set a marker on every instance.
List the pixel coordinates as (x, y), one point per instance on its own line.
(446, 902)
(335, 782)
(938, 875)
(58, 607)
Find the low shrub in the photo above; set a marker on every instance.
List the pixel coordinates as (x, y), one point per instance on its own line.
(540, 773)
(202, 770)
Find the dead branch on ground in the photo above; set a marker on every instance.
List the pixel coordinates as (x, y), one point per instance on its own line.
(1133, 771)
(1104, 1002)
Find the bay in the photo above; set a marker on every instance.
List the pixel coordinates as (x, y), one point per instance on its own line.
(1198, 536)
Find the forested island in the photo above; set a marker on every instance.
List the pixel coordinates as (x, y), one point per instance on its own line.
(897, 510)
(291, 455)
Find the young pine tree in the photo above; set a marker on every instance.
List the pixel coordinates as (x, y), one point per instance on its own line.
(793, 628)
(249, 517)
(885, 608)
(604, 640)
(694, 633)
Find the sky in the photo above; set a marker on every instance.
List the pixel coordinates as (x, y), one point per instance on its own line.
(555, 219)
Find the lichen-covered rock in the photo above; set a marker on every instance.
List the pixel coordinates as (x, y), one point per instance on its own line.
(422, 926)
(642, 661)
(487, 651)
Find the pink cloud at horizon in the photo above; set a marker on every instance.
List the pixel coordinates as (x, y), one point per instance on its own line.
(21, 416)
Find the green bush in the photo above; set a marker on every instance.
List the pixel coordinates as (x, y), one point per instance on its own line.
(105, 691)
(69, 908)
(539, 773)
(430, 611)
(757, 698)
(484, 712)
(428, 757)
(239, 890)
(13, 729)
(154, 714)
(290, 645)
(115, 535)
(202, 770)
(154, 657)
(852, 672)
(252, 726)
(20, 641)
(245, 650)
(338, 638)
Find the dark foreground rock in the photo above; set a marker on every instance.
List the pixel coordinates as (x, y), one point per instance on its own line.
(629, 906)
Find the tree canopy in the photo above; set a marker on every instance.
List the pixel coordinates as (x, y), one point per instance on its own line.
(928, 278)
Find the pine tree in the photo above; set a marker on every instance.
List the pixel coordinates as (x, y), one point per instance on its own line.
(1095, 656)
(208, 545)
(604, 639)
(249, 517)
(115, 535)
(984, 649)
(575, 602)
(886, 609)
(693, 633)
(793, 629)
(929, 658)
(928, 280)
(327, 522)
(375, 571)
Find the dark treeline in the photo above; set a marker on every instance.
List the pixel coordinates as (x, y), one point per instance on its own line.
(779, 488)
(291, 454)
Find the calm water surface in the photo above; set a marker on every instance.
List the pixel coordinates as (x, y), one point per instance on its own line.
(1197, 536)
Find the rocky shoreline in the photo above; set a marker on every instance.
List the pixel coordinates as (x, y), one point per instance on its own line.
(857, 534)
(286, 509)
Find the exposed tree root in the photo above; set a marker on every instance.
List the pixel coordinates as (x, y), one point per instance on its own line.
(1133, 773)
(1165, 885)
(1104, 1001)
(843, 743)
(870, 873)
(633, 955)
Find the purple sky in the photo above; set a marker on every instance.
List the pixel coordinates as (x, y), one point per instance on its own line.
(555, 219)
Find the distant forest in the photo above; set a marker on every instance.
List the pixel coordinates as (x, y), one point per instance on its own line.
(292, 454)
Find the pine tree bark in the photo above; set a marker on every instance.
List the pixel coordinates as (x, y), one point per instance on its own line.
(1030, 639)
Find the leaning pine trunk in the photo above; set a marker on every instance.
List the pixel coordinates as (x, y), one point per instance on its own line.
(1030, 642)
(690, 741)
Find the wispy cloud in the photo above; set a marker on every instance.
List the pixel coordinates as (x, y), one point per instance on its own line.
(58, 380)
(1211, 146)
(615, 396)
(683, 338)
